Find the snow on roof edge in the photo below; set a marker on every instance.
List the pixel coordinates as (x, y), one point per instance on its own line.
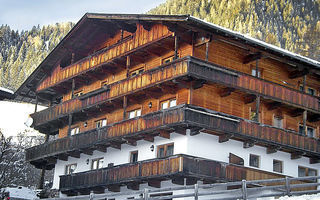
(6, 90)
(259, 42)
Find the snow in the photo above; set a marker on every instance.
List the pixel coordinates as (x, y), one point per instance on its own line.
(14, 115)
(6, 90)
(21, 192)
(259, 42)
(303, 197)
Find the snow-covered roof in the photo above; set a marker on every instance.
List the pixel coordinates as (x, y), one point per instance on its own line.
(6, 93)
(277, 49)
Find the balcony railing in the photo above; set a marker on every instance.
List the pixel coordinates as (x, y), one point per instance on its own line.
(170, 120)
(187, 66)
(177, 166)
(104, 56)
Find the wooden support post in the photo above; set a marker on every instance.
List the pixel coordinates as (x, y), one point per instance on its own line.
(41, 181)
(244, 190)
(36, 105)
(257, 108)
(196, 192)
(128, 65)
(125, 104)
(72, 58)
(304, 83)
(304, 118)
(288, 191)
(207, 51)
(176, 46)
(257, 68)
(73, 87)
(69, 124)
(146, 194)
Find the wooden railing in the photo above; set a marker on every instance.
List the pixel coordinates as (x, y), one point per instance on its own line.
(186, 66)
(178, 116)
(179, 165)
(253, 85)
(93, 137)
(148, 79)
(173, 166)
(104, 56)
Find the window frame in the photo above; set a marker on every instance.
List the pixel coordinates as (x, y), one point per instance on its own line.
(281, 165)
(68, 167)
(169, 102)
(307, 88)
(77, 94)
(306, 170)
(138, 71)
(101, 121)
(280, 119)
(305, 133)
(165, 150)
(251, 164)
(76, 132)
(132, 153)
(260, 72)
(97, 160)
(136, 113)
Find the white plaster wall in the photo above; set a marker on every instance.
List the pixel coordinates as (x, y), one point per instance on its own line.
(122, 156)
(208, 146)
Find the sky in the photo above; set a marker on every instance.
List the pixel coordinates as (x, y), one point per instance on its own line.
(24, 14)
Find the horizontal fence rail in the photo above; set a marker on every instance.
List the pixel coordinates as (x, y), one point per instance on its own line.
(221, 191)
(179, 116)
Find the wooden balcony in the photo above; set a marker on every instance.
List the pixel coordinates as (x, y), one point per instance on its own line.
(176, 119)
(175, 168)
(191, 69)
(104, 59)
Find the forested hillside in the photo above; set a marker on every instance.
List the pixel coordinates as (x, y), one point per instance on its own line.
(290, 24)
(21, 52)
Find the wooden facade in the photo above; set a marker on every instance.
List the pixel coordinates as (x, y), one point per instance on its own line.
(222, 84)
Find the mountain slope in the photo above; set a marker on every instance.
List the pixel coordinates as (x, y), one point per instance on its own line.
(289, 24)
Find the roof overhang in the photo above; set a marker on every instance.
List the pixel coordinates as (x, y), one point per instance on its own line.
(6, 94)
(93, 26)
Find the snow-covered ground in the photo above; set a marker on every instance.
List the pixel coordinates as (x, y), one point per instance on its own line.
(303, 197)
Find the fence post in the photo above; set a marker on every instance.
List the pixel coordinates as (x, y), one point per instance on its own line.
(146, 194)
(196, 191)
(288, 192)
(91, 195)
(244, 190)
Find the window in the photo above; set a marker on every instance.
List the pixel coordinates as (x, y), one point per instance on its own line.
(168, 59)
(136, 72)
(278, 121)
(310, 131)
(254, 72)
(101, 123)
(70, 168)
(165, 150)
(77, 94)
(134, 113)
(133, 156)
(254, 161)
(168, 103)
(104, 83)
(304, 171)
(308, 90)
(277, 166)
(75, 131)
(97, 163)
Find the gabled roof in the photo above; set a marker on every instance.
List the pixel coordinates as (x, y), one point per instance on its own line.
(93, 26)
